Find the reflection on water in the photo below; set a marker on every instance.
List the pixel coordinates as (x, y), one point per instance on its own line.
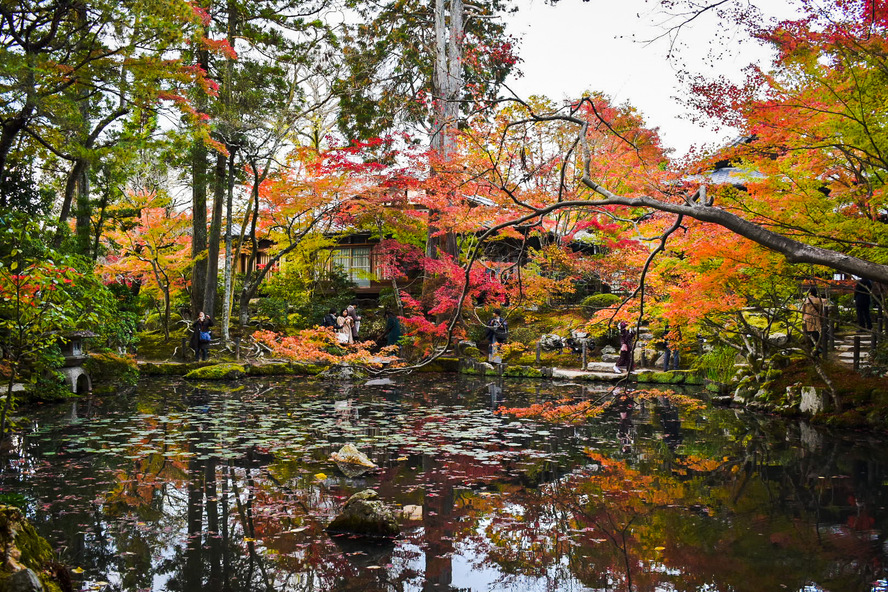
(228, 487)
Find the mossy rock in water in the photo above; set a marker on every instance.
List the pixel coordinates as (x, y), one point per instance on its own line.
(218, 372)
(109, 368)
(523, 372)
(692, 378)
(345, 372)
(364, 514)
(478, 368)
(666, 378)
(34, 551)
(713, 387)
(26, 552)
(270, 369)
(309, 369)
(646, 376)
(285, 369)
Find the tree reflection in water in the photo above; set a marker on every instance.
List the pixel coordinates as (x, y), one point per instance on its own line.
(188, 488)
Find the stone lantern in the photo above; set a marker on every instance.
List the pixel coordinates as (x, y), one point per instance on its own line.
(72, 348)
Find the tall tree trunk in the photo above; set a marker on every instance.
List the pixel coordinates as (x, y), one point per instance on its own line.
(226, 309)
(7, 404)
(83, 227)
(199, 211)
(223, 163)
(446, 89)
(100, 222)
(199, 226)
(212, 285)
(68, 199)
(250, 286)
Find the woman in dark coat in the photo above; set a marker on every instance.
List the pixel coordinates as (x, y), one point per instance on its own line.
(392, 328)
(201, 347)
(627, 336)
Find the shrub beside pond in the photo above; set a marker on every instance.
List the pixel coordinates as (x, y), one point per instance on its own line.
(108, 369)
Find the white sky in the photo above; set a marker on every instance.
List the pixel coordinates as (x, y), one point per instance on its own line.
(576, 46)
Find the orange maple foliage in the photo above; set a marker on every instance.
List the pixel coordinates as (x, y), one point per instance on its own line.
(319, 344)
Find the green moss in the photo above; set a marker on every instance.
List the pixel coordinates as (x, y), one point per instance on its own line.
(523, 372)
(285, 369)
(153, 346)
(308, 368)
(218, 372)
(692, 378)
(645, 376)
(474, 353)
(109, 368)
(36, 552)
(165, 368)
(661, 377)
(270, 369)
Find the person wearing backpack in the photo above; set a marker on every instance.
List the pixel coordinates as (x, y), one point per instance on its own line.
(200, 338)
(330, 319)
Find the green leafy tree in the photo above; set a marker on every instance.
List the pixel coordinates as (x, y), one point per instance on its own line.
(42, 295)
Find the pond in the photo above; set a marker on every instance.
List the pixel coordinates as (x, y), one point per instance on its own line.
(180, 486)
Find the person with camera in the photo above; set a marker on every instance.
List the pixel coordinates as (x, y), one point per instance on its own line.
(200, 337)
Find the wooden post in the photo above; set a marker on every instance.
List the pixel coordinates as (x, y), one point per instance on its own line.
(644, 358)
(857, 352)
(585, 363)
(539, 349)
(184, 349)
(237, 348)
(830, 341)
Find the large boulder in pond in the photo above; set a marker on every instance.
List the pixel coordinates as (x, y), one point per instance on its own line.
(365, 514)
(352, 462)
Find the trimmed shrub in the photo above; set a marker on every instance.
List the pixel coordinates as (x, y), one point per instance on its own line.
(599, 301)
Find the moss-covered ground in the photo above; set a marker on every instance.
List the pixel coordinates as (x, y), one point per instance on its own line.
(863, 399)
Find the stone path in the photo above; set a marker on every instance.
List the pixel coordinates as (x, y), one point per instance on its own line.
(602, 371)
(844, 352)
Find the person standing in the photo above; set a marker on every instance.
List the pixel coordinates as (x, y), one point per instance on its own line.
(344, 331)
(497, 328)
(392, 332)
(200, 337)
(355, 321)
(627, 337)
(863, 291)
(671, 339)
(329, 320)
(813, 309)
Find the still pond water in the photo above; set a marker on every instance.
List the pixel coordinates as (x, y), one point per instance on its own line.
(188, 487)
